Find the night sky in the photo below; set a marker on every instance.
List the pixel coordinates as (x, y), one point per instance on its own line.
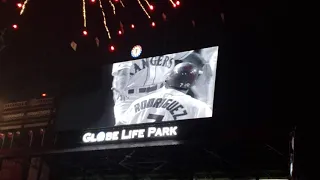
(38, 57)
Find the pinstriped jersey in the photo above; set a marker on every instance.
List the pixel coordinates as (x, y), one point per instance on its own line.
(165, 105)
(149, 71)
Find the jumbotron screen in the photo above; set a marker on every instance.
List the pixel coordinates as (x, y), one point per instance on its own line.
(170, 87)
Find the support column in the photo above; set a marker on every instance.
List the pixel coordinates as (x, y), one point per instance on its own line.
(38, 170)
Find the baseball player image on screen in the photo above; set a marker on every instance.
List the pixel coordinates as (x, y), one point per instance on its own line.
(138, 78)
(171, 101)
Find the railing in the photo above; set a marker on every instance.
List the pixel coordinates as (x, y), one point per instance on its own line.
(14, 105)
(24, 104)
(38, 102)
(15, 116)
(35, 112)
(21, 115)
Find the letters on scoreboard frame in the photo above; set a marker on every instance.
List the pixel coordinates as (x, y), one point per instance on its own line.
(177, 131)
(130, 134)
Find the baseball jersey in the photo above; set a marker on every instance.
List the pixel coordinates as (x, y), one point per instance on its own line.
(144, 73)
(149, 71)
(165, 105)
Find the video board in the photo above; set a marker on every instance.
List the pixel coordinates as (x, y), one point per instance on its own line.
(163, 88)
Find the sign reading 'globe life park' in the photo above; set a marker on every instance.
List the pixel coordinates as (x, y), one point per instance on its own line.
(126, 134)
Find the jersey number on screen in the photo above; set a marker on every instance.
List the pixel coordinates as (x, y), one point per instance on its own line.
(155, 117)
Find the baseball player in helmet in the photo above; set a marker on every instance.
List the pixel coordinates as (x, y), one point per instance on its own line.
(171, 101)
(205, 59)
(138, 78)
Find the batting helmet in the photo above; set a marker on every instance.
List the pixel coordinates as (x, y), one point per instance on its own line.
(194, 58)
(183, 76)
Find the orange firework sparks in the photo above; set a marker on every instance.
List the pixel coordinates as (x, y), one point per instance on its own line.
(104, 19)
(113, 7)
(172, 3)
(122, 3)
(144, 9)
(24, 6)
(147, 3)
(84, 13)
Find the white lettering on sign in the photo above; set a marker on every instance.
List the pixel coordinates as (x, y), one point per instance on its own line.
(162, 132)
(126, 134)
(109, 136)
(151, 130)
(101, 136)
(86, 137)
(115, 135)
(132, 134)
